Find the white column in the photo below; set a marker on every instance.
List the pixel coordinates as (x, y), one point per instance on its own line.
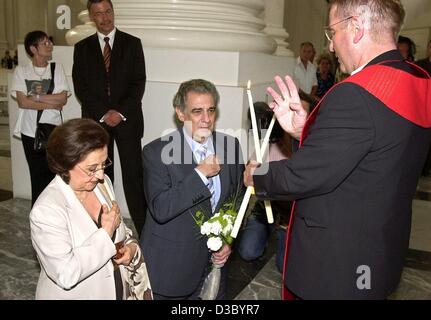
(10, 21)
(274, 16)
(27, 16)
(81, 31)
(3, 27)
(415, 9)
(223, 25)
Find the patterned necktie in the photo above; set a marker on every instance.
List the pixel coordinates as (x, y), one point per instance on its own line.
(107, 60)
(107, 54)
(202, 152)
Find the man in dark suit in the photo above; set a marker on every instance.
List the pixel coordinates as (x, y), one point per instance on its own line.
(109, 79)
(177, 180)
(426, 65)
(426, 62)
(356, 171)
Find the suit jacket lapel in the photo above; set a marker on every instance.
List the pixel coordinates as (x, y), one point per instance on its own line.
(76, 212)
(116, 54)
(220, 149)
(97, 52)
(187, 157)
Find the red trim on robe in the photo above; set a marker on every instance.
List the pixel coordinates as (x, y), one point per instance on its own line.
(397, 89)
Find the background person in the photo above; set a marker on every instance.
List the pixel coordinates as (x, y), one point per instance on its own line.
(7, 60)
(15, 58)
(36, 75)
(407, 48)
(109, 79)
(426, 62)
(304, 73)
(426, 65)
(257, 231)
(325, 78)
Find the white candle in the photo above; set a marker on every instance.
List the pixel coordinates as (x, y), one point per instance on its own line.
(250, 190)
(241, 212)
(267, 135)
(254, 124)
(268, 210)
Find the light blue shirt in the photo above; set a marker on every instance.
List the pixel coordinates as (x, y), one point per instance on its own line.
(195, 146)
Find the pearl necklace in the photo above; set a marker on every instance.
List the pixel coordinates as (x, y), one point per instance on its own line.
(40, 75)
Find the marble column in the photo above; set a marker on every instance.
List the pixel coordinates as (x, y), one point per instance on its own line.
(222, 25)
(225, 25)
(274, 16)
(3, 41)
(10, 25)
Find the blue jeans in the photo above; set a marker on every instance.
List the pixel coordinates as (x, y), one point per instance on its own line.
(255, 237)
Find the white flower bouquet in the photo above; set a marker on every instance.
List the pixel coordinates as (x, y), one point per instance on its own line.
(217, 229)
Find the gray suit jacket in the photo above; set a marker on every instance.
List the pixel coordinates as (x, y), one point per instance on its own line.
(175, 251)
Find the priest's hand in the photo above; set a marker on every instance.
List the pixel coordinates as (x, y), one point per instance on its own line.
(249, 171)
(287, 107)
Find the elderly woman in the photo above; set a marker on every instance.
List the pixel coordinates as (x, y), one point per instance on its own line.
(30, 87)
(325, 78)
(407, 48)
(76, 224)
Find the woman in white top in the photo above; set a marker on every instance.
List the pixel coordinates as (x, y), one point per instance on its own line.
(81, 242)
(29, 87)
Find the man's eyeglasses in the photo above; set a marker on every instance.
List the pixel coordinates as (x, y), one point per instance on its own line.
(330, 32)
(91, 172)
(99, 14)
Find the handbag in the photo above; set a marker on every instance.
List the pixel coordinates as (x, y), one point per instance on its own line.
(137, 279)
(44, 130)
(138, 286)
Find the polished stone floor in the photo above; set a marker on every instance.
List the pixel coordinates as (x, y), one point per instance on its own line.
(257, 280)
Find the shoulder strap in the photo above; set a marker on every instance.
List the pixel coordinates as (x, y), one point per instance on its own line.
(50, 90)
(51, 85)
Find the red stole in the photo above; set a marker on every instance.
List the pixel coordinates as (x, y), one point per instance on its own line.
(398, 90)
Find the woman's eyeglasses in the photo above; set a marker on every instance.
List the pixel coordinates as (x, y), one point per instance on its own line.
(45, 43)
(91, 172)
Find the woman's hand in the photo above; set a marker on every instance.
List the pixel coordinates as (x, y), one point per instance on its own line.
(32, 102)
(126, 254)
(110, 219)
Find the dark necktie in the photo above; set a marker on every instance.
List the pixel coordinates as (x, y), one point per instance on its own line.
(107, 54)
